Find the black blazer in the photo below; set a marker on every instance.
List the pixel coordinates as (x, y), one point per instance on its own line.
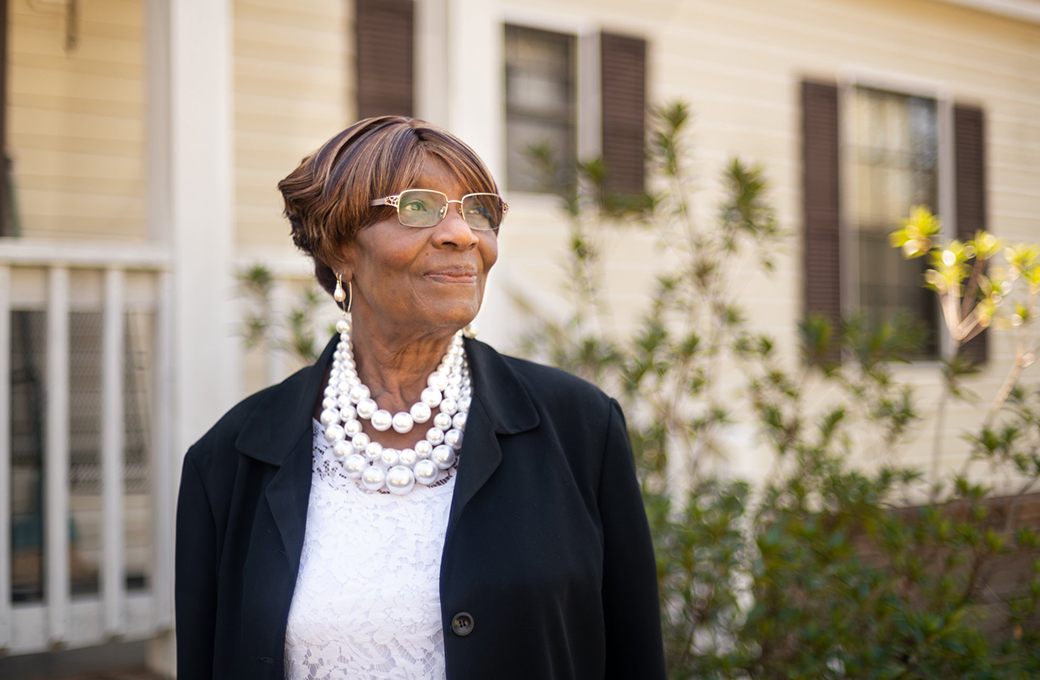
(547, 550)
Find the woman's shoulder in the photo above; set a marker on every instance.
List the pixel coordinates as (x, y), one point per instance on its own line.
(223, 438)
(552, 381)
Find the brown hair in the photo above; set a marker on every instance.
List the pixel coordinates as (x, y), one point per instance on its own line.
(327, 197)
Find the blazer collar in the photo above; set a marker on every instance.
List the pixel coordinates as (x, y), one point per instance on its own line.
(497, 388)
(275, 426)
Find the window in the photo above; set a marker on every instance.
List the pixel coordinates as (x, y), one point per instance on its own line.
(893, 160)
(541, 105)
(554, 98)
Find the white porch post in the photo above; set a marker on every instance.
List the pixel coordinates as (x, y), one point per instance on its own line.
(191, 201)
(473, 31)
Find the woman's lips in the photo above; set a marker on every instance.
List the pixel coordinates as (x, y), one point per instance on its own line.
(453, 275)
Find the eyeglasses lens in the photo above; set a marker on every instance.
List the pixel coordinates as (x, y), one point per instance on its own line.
(482, 211)
(418, 208)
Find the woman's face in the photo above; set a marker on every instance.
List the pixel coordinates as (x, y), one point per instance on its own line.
(419, 281)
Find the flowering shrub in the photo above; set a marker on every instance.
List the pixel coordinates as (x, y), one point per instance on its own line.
(825, 570)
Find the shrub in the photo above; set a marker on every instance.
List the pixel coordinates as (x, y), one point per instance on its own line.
(830, 568)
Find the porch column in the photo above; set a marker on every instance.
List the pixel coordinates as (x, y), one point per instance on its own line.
(191, 199)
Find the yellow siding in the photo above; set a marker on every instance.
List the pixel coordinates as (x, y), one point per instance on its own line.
(294, 88)
(76, 120)
(739, 64)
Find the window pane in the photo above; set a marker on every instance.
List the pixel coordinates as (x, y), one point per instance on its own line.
(895, 158)
(540, 106)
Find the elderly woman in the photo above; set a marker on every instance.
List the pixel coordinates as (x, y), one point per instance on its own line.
(413, 505)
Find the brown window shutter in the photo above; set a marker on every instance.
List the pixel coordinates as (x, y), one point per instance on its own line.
(385, 48)
(623, 108)
(970, 170)
(820, 194)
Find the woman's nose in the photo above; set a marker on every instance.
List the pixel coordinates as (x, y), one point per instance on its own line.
(453, 230)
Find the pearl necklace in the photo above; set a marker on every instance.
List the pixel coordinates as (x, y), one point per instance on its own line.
(449, 390)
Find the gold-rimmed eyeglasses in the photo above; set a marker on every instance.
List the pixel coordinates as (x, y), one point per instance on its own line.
(426, 208)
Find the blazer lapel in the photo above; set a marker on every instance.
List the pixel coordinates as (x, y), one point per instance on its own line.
(501, 406)
(280, 432)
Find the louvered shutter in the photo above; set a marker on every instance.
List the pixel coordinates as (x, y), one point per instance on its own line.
(970, 170)
(623, 107)
(820, 195)
(385, 57)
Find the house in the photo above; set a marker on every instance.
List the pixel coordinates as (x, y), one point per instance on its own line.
(145, 139)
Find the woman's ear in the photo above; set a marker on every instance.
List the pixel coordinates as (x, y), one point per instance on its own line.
(344, 264)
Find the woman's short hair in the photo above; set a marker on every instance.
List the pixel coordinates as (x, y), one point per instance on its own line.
(327, 197)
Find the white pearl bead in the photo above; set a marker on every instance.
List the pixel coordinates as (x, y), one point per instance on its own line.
(331, 391)
(374, 451)
(360, 440)
(453, 438)
(343, 448)
(343, 401)
(400, 480)
(328, 417)
(437, 380)
(443, 456)
(329, 402)
(465, 390)
(354, 465)
(442, 421)
(373, 478)
(381, 420)
(358, 392)
(459, 421)
(351, 427)
(402, 422)
(348, 413)
(423, 448)
(464, 403)
(342, 385)
(452, 391)
(408, 457)
(435, 435)
(426, 472)
(420, 412)
(335, 433)
(343, 326)
(431, 396)
(455, 379)
(390, 457)
(449, 406)
(366, 407)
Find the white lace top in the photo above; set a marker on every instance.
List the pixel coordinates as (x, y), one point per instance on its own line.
(367, 598)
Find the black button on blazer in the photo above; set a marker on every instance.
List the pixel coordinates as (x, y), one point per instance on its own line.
(548, 568)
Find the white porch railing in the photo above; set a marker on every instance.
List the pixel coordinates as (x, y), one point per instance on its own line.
(39, 276)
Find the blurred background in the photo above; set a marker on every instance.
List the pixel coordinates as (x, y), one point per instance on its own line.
(144, 140)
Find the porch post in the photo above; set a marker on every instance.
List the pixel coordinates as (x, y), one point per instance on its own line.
(191, 201)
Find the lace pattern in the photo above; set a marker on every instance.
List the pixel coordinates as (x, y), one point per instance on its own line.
(367, 598)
